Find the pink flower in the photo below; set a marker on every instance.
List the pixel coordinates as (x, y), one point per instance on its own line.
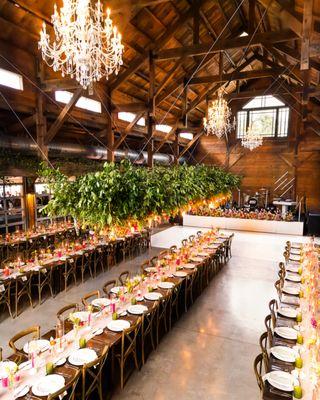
(314, 322)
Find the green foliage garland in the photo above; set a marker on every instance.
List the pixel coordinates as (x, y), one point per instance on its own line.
(122, 192)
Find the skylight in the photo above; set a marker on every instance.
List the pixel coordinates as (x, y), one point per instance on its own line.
(163, 128)
(186, 135)
(84, 102)
(244, 33)
(129, 117)
(11, 79)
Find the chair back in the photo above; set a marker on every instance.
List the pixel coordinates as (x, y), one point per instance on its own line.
(109, 285)
(66, 310)
(267, 323)
(263, 341)
(129, 339)
(144, 265)
(199, 234)
(278, 285)
(191, 238)
(258, 367)
(173, 249)
(184, 242)
(68, 391)
(123, 277)
(154, 261)
(33, 331)
(86, 299)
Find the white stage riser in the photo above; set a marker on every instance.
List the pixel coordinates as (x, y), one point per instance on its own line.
(250, 225)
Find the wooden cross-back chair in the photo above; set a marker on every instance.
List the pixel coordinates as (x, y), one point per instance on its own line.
(123, 277)
(87, 298)
(109, 285)
(68, 391)
(268, 325)
(263, 341)
(33, 331)
(92, 379)
(147, 330)
(273, 307)
(258, 367)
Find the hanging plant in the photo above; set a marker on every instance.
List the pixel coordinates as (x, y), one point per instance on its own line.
(122, 192)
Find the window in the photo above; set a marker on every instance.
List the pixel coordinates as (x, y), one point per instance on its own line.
(11, 79)
(84, 102)
(186, 135)
(129, 117)
(163, 128)
(267, 112)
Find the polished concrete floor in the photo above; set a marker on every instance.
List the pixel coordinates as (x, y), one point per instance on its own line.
(209, 352)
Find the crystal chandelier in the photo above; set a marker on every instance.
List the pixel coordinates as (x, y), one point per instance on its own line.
(252, 138)
(219, 117)
(86, 45)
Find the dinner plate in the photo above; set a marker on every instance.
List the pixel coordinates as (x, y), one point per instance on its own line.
(5, 366)
(290, 300)
(180, 274)
(213, 246)
(150, 269)
(196, 259)
(203, 254)
(286, 332)
(293, 267)
(83, 316)
(295, 252)
(188, 266)
(118, 325)
(21, 391)
(60, 362)
(283, 353)
(137, 309)
(295, 257)
(291, 290)
(293, 277)
(295, 245)
(153, 296)
(101, 302)
(117, 289)
(82, 356)
(165, 285)
(281, 380)
(36, 345)
(48, 384)
(287, 312)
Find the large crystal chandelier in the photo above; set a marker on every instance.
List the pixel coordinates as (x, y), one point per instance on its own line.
(86, 45)
(253, 137)
(218, 121)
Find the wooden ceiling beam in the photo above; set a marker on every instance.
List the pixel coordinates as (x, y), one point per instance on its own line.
(183, 152)
(292, 53)
(306, 34)
(226, 44)
(140, 60)
(55, 127)
(127, 131)
(28, 122)
(233, 76)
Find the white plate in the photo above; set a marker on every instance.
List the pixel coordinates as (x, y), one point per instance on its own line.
(286, 332)
(101, 302)
(283, 353)
(82, 356)
(48, 384)
(295, 257)
(4, 366)
(118, 325)
(295, 252)
(150, 269)
(21, 391)
(287, 312)
(290, 300)
(60, 362)
(36, 345)
(293, 277)
(83, 316)
(196, 259)
(166, 285)
(189, 266)
(291, 290)
(117, 289)
(293, 267)
(180, 274)
(203, 254)
(137, 309)
(153, 296)
(281, 380)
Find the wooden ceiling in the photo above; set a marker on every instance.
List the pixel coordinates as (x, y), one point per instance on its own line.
(177, 54)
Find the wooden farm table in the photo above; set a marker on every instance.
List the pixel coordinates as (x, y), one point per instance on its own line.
(100, 320)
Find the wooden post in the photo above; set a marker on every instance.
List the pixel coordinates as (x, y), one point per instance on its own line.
(185, 103)
(41, 120)
(176, 148)
(151, 110)
(110, 134)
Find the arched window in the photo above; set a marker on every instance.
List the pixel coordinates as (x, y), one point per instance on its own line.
(272, 114)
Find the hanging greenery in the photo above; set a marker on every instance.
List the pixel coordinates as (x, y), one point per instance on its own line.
(122, 192)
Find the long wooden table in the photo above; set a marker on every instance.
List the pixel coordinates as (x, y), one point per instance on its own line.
(108, 337)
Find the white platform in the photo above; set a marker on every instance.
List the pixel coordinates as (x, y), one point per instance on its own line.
(250, 225)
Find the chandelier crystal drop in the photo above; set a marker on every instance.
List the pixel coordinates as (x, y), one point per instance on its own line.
(218, 121)
(86, 45)
(252, 138)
